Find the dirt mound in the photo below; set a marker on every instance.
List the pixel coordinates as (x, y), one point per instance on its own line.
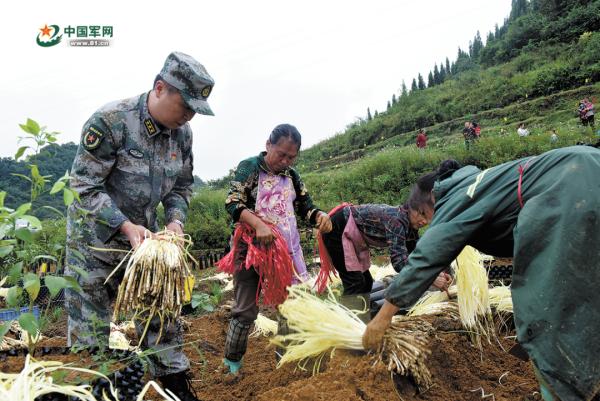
(460, 371)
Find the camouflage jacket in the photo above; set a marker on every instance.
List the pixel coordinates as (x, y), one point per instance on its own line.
(127, 164)
(244, 187)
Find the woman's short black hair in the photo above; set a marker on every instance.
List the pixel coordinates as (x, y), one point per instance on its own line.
(420, 193)
(285, 131)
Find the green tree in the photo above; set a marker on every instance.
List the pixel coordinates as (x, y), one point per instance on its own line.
(442, 73)
(430, 81)
(476, 46)
(404, 91)
(413, 86)
(421, 82)
(436, 75)
(369, 117)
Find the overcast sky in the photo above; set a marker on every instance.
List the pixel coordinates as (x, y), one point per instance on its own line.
(315, 64)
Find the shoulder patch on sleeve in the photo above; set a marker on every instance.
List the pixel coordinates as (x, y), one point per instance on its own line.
(92, 137)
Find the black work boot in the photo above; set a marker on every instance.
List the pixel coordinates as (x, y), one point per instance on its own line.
(180, 384)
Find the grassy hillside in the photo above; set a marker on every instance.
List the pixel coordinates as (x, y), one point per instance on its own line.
(532, 86)
(386, 176)
(556, 111)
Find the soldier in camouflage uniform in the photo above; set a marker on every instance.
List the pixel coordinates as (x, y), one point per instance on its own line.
(134, 154)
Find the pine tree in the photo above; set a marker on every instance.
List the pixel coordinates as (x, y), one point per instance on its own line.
(376, 114)
(448, 72)
(388, 105)
(521, 7)
(442, 73)
(430, 82)
(413, 86)
(394, 101)
(421, 82)
(369, 117)
(404, 90)
(436, 75)
(477, 46)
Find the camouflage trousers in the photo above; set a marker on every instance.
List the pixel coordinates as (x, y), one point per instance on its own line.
(90, 311)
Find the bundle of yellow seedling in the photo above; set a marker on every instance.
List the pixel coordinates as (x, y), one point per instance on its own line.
(319, 325)
(155, 278)
(436, 303)
(472, 291)
(263, 326)
(35, 380)
(501, 299)
(381, 272)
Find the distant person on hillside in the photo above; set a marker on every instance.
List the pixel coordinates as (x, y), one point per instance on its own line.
(522, 131)
(588, 113)
(469, 134)
(358, 228)
(264, 197)
(421, 139)
(553, 136)
(581, 112)
(476, 129)
(544, 212)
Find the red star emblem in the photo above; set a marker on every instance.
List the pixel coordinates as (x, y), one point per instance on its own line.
(45, 30)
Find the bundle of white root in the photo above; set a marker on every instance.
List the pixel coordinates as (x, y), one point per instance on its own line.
(155, 279)
(319, 325)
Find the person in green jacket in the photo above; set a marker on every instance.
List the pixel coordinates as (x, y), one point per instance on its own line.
(544, 211)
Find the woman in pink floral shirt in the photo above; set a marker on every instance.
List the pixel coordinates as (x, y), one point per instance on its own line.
(266, 190)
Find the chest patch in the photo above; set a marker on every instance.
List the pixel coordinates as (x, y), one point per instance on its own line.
(136, 153)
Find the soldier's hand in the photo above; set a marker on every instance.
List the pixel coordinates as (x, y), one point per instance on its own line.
(135, 233)
(175, 227)
(323, 222)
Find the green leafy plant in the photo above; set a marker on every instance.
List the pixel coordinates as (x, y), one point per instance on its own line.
(16, 238)
(202, 301)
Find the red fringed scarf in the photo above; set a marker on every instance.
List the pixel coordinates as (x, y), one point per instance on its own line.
(327, 268)
(272, 263)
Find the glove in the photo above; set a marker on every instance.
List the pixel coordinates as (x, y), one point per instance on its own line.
(233, 366)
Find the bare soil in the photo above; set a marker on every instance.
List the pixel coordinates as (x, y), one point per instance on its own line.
(460, 370)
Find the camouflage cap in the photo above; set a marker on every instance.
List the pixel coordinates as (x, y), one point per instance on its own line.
(191, 79)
